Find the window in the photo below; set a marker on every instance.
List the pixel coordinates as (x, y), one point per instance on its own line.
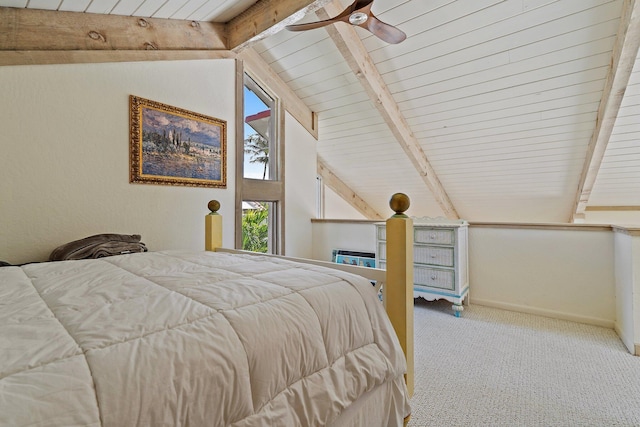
(319, 197)
(261, 181)
(259, 131)
(258, 226)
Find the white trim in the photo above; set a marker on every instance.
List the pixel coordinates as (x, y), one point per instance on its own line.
(610, 324)
(375, 274)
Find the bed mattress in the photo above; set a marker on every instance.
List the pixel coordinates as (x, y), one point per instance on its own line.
(179, 338)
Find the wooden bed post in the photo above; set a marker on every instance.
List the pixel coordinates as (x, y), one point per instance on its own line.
(213, 227)
(398, 288)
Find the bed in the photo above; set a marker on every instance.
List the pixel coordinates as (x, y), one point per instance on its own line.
(180, 338)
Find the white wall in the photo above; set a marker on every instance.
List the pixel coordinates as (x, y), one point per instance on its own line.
(65, 155)
(635, 293)
(627, 273)
(335, 207)
(566, 274)
(624, 275)
(300, 188)
(356, 236)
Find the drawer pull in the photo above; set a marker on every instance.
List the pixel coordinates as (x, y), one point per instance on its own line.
(433, 255)
(433, 277)
(432, 236)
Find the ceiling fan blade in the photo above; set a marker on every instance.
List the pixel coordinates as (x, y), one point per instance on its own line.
(384, 31)
(358, 14)
(311, 25)
(342, 17)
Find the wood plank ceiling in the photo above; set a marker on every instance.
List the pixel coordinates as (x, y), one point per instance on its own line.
(491, 110)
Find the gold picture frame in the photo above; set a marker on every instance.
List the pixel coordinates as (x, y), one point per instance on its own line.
(174, 146)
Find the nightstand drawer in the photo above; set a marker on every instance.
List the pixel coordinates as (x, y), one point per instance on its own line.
(443, 236)
(382, 250)
(434, 277)
(433, 255)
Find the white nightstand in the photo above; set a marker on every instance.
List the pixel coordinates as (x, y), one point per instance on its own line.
(440, 256)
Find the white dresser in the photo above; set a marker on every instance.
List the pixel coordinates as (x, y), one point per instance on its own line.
(440, 256)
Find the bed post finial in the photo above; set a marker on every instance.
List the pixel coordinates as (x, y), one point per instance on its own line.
(398, 290)
(214, 207)
(213, 227)
(399, 203)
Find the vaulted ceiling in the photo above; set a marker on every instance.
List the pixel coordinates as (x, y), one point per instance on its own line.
(490, 110)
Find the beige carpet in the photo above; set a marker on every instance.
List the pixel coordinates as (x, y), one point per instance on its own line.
(499, 368)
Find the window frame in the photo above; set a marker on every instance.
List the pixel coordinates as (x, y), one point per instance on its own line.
(269, 190)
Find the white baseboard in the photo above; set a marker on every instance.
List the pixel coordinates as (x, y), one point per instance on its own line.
(610, 324)
(626, 339)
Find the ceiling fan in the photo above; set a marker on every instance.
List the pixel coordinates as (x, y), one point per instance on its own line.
(358, 14)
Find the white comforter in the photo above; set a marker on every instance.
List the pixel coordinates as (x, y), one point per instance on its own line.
(190, 339)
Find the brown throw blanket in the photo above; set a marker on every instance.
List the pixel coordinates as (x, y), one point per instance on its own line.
(98, 246)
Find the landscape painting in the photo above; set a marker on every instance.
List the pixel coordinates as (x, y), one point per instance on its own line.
(173, 146)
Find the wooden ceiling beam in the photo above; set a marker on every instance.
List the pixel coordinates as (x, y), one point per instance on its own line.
(48, 30)
(331, 180)
(356, 55)
(624, 56)
(33, 30)
(265, 18)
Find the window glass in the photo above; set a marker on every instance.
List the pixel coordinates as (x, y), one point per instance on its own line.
(258, 225)
(259, 151)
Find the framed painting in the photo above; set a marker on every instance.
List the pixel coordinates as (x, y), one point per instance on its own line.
(173, 146)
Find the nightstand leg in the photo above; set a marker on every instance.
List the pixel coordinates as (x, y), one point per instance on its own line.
(457, 309)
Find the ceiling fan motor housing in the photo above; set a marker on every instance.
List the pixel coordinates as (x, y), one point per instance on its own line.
(358, 18)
